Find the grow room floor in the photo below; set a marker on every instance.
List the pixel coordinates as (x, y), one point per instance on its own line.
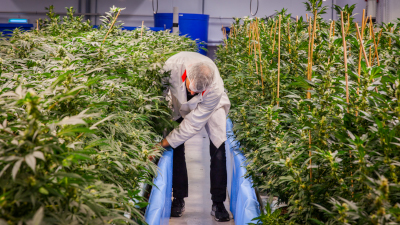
(198, 204)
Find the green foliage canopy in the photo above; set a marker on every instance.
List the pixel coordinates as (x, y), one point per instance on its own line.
(78, 120)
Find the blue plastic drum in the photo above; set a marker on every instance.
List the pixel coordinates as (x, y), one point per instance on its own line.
(194, 26)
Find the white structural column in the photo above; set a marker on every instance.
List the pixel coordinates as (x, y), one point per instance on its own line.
(175, 21)
(371, 8)
(198, 204)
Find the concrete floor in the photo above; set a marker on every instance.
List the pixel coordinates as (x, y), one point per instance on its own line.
(198, 204)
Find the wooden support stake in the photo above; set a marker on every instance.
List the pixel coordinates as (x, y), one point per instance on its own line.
(309, 75)
(365, 21)
(365, 54)
(273, 43)
(330, 36)
(375, 44)
(249, 34)
(141, 32)
(259, 54)
(297, 19)
(279, 57)
(333, 31)
(309, 153)
(254, 44)
(37, 25)
(312, 46)
(370, 37)
(359, 53)
(224, 37)
(345, 63)
(363, 24)
(362, 46)
(115, 20)
(309, 54)
(272, 29)
(231, 35)
(379, 36)
(288, 30)
(348, 23)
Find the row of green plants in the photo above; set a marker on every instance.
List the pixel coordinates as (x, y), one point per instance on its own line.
(79, 116)
(332, 160)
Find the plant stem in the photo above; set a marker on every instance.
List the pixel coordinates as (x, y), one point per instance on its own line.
(365, 55)
(345, 63)
(10, 133)
(362, 46)
(279, 57)
(330, 36)
(346, 76)
(359, 53)
(370, 37)
(273, 44)
(288, 28)
(254, 44)
(309, 54)
(376, 45)
(259, 54)
(111, 26)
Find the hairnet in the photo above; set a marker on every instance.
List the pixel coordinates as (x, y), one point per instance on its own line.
(201, 76)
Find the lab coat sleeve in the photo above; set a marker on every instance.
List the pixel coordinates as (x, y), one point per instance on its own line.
(195, 120)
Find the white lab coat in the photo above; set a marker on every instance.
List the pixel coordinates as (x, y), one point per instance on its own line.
(208, 109)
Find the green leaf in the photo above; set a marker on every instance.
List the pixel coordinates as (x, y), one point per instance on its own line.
(93, 81)
(16, 167)
(100, 142)
(31, 161)
(119, 164)
(141, 205)
(74, 130)
(4, 169)
(38, 217)
(39, 155)
(316, 221)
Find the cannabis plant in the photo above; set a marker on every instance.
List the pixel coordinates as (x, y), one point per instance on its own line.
(320, 132)
(79, 116)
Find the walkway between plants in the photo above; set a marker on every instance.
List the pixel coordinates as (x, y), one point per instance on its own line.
(198, 204)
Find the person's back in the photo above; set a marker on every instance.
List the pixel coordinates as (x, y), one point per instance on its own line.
(199, 107)
(199, 100)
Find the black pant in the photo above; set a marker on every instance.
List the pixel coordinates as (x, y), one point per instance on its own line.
(218, 176)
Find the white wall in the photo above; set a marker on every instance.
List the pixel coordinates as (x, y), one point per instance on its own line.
(220, 11)
(240, 8)
(31, 6)
(360, 5)
(215, 8)
(388, 11)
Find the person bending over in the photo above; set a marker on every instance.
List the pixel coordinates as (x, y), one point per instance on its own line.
(198, 100)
